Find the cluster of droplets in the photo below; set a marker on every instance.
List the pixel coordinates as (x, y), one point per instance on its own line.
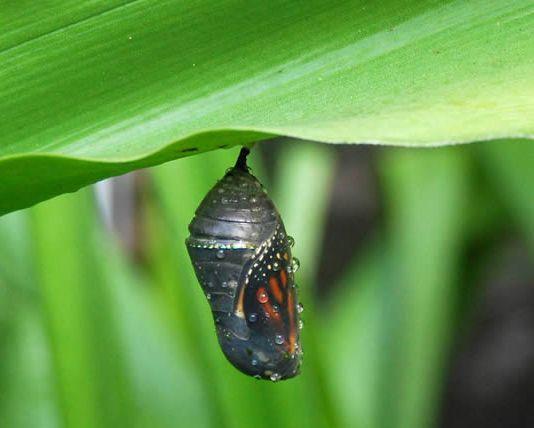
(275, 377)
(227, 194)
(263, 297)
(211, 244)
(294, 265)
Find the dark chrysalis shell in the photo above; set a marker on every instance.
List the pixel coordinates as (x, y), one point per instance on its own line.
(242, 258)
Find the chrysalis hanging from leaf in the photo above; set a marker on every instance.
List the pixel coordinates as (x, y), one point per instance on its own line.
(242, 258)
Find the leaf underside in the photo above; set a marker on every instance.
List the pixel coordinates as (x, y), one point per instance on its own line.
(100, 88)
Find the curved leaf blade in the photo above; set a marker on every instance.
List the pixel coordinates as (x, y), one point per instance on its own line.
(129, 84)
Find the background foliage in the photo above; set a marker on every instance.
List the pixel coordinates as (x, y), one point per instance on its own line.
(93, 337)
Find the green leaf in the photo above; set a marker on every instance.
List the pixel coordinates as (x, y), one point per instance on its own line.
(510, 169)
(114, 360)
(94, 90)
(427, 196)
(92, 385)
(351, 337)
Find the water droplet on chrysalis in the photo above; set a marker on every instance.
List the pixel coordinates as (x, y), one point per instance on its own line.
(262, 296)
(275, 377)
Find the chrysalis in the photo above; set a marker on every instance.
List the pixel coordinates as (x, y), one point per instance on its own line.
(242, 258)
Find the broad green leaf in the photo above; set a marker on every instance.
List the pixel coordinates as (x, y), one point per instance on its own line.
(94, 89)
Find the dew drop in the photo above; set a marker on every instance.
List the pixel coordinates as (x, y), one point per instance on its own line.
(262, 296)
(253, 200)
(253, 317)
(275, 377)
(295, 264)
(276, 308)
(278, 339)
(232, 283)
(254, 362)
(290, 241)
(300, 308)
(208, 296)
(224, 284)
(220, 254)
(301, 324)
(276, 266)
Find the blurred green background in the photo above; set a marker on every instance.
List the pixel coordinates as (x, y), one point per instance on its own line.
(108, 327)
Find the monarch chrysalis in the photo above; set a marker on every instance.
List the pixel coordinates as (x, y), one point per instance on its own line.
(242, 258)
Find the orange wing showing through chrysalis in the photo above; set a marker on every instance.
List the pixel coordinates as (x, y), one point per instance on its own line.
(269, 298)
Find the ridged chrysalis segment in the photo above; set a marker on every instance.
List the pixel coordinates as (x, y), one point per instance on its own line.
(242, 258)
